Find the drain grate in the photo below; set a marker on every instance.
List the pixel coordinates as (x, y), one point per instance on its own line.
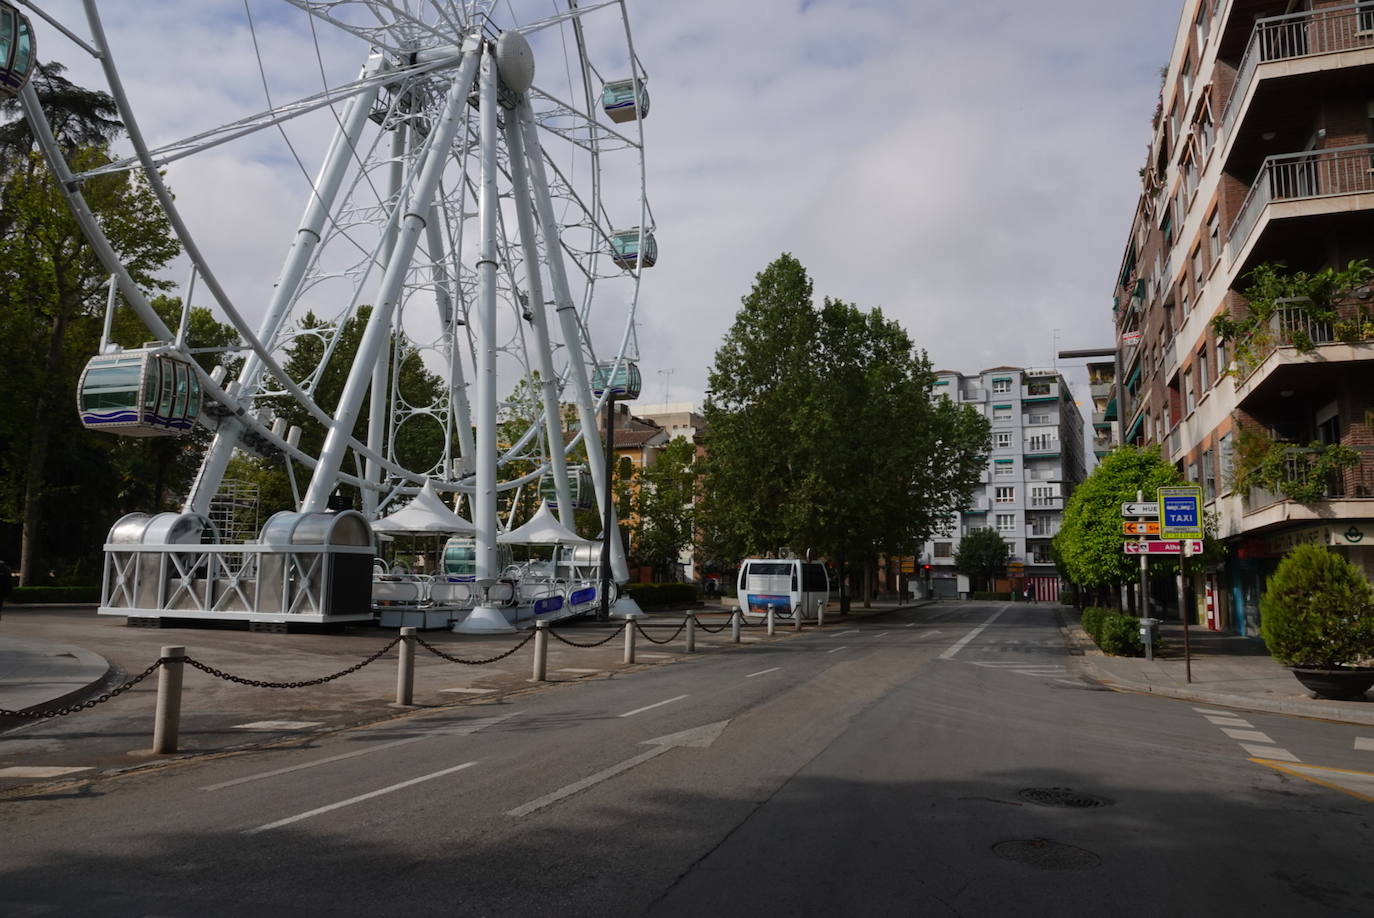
(1060, 796)
(1046, 854)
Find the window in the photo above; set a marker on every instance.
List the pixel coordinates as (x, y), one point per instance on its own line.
(1366, 14)
(944, 549)
(1189, 397)
(1041, 554)
(1006, 522)
(1002, 439)
(1224, 454)
(1005, 494)
(1214, 237)
(1001, 385)
(1044, 495)
(1198, 269)
(1003, 468)
(1187, 76)
(1038, 388)
(1201, 25)
(1222, 365)
(1202, 374)
(1039, 418)
(1209, 483)
(1001, 412)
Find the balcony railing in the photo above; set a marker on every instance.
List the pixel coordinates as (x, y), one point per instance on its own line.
(1302, 177)
(1297, 35)
(1053, 502)
(1041, 445)
(1290, 326)
(1043, 475)
(1043, 530)
(1354, 482)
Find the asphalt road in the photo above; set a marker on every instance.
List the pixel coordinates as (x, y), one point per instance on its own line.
(918, 763)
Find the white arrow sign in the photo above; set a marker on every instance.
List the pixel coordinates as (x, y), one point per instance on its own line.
(1147, 508)
(696, 738)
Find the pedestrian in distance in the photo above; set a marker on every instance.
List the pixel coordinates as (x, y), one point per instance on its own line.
(1030, 597)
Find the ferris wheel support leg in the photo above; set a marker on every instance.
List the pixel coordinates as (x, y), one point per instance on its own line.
(342, 149)
(567, 316)
(485, 617)
(548, 382)
(461, 415)
(360, 375)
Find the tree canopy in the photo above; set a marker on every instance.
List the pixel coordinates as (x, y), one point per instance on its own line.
(982, 556)
(822, 432)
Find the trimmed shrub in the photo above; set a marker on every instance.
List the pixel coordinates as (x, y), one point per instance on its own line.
(992, 597)
(1092, 621)
(55, 594)
(658, 595)
(1120, 635)
(1318, 611)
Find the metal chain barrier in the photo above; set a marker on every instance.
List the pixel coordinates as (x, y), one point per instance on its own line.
(72, 709)
(606, 640)
(668, 640)
(452, 659)
(259, 683)
(709, 630)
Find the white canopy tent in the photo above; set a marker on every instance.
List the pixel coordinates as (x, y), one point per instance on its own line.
(542, 529)
(426, 514)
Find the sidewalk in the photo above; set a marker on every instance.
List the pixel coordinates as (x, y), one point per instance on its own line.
(1227, 670)
(36, 673)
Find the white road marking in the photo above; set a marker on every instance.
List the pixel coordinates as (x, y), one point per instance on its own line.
(836, 650)
(1364, 743)
(1211, 711)
(763, 672)
(1229, 721)
(1249, 736)
(843, 633)
(963, 641)
(574, 669)
(464, 729)
(42, 771)
(650, 707)
(466, 691)
(925, 634)
(279, 725)
(358, 799)
(653, 655)
(1270, 752)
(909, 625)
(697, 737)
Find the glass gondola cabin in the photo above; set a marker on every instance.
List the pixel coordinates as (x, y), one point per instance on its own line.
(17, 51)
(459, 563)
(623, 379)
(579, 486)
(141, 393)
(621, 98)
(625, 249)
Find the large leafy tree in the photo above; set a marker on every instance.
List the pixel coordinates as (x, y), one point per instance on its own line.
(1089, 541)
(982, 556)
(822, 432)
(664, 504)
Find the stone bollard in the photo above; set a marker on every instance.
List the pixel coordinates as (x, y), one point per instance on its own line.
(820, 613)
(405, 668)
(797, 618)
(541, 650)
(629, 640)
(691, 633)
(770, 621)
(167, 720)
(734, 626)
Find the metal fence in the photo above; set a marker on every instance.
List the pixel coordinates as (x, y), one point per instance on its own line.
(1302, 176)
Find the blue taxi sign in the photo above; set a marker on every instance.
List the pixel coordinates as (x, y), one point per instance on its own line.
(1180, 512)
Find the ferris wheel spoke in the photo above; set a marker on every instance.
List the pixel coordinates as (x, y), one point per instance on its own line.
(396, 28)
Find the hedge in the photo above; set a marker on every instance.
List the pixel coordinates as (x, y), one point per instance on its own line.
(654, 595)
(992, 597)
(55, 594)
(1117, 633)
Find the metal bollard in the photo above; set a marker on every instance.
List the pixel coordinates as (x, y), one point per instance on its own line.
(167, 720)
(541, 650)
(797, 618)
(691, 633)
(820, 613)
(770, 621)
(629, 640)
(405, 668)
(734, 627)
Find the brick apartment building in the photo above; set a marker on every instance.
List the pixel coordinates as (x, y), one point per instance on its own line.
(1261, 152)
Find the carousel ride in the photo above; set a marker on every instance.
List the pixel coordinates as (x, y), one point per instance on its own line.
(472, 212)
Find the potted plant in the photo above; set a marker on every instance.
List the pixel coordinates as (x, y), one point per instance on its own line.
(1317, 618)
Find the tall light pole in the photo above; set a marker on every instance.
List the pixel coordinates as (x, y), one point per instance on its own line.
(608, 522)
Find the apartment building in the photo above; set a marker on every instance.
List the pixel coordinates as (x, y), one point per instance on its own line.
(1261, 154)
(1037, 458)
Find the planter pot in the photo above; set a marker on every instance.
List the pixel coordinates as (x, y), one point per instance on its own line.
(1335, 684)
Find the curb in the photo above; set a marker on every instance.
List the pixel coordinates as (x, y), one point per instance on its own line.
(87, 660)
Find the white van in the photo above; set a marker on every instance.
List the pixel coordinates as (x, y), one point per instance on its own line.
(783, 585)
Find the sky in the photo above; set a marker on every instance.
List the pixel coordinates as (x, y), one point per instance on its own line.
(969, 168)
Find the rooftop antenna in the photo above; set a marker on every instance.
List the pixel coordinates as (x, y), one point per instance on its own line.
(667, 381)
(1054, 355)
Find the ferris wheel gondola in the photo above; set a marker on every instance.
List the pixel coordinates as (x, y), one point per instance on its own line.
(18, 53)
(147, 392)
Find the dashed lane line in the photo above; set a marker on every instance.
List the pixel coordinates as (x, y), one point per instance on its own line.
(763, 672)
(964, 641)
(1364, 743)
(1228, 721)
(836, 650)
(280, 725)
(318, 811)
(1248, 736)
(650, 707)
(1269, 752)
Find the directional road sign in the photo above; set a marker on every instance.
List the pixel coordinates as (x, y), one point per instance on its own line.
(1161, 547)
(1140, 528)
(1147, 509)
(1180, 512)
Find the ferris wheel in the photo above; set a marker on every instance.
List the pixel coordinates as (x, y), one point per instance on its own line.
(478, 210)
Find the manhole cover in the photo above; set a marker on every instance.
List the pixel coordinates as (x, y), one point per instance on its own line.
(1046, 854)
(1060, 796)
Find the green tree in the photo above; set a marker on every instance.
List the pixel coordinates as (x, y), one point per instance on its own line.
(982, 557)
(1318, 610)
(823, 434)
(1090, 538)
(664, 503)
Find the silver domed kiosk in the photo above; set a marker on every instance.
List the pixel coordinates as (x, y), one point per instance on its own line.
(307, 568)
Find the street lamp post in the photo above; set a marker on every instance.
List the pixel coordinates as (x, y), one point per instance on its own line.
(604, 613)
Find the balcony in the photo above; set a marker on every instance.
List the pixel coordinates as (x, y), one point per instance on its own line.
(1050, 502)
(1293, 37)
(1104, 443)
(1038, 391)
(1295, 352)
(973, 394)
(1041, 446)
(1355, 483)
(1307, 176)
(1042, 530)
(1044, 475)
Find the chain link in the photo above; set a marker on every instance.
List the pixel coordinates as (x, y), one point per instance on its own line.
(260, 683)
(606, 640)
(452, 659)
(650, 638)
(73, 708)
(709, 630)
